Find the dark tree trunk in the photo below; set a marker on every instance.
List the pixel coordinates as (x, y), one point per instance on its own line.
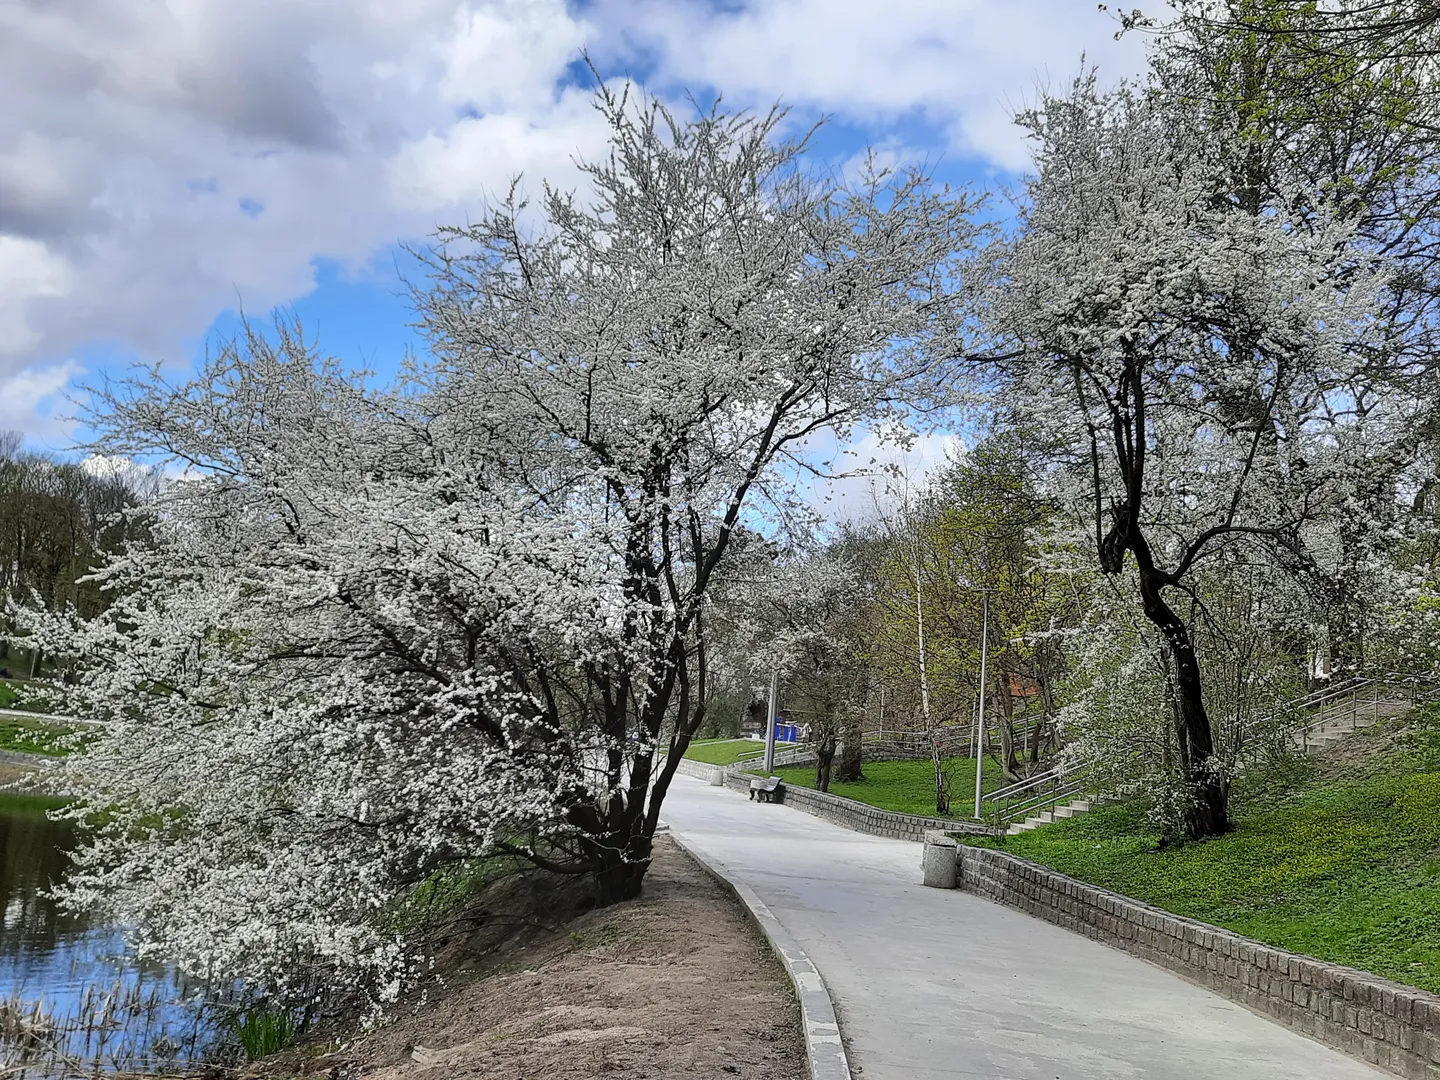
(851, 755)
(824, 755)
(1207, 813)
(942, 782)
(1009, 763)
(621, 871)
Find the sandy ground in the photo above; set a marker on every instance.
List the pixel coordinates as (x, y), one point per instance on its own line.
(675, 984)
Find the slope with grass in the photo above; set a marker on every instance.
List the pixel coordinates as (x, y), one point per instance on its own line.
(24, 695)
(906, 787)
(1341, 864)
(722, 751)
(19, 733)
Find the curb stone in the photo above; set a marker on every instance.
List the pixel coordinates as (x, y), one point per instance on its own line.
(823, 1048)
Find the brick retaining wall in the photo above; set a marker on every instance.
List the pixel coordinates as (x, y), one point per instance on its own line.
(1388, 1024)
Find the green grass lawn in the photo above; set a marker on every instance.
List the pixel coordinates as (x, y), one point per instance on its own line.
(21, 696)
(31, 736)
(1347, 869)
(722, 751)
(907, 787)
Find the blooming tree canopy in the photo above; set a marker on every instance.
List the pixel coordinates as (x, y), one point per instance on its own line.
(374, 633)
(1210, 364)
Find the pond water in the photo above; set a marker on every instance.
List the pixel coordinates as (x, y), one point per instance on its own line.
(69, 999)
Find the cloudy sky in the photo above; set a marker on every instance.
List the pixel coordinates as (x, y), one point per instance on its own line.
(163, 162)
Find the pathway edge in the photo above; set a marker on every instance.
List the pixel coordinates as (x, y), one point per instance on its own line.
(823, 1047)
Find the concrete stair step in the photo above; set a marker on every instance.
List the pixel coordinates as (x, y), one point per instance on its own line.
(1080, 806)
(1063, 811)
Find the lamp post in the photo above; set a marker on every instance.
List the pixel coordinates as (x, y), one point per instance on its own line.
(770, 722)
(980, 716)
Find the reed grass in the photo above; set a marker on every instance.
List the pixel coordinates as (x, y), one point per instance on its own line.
(122, 1030)
(265, 1030)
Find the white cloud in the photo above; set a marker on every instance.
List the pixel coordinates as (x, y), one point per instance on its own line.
(29, 396)
(876, 470)
(965, 65)
(29, 271)
(475, 158)
(159, 158)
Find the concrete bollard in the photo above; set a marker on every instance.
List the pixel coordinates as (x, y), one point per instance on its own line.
(717, 777)
(938, 862)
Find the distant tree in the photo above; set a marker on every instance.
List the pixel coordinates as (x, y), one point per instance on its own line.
(58, 521)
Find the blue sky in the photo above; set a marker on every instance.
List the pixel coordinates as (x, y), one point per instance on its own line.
(165, 162)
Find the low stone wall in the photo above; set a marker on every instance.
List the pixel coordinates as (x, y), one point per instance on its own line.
(701, 771)
(697, 769)
(30, 761)
(1388, 1024)
(856, 815)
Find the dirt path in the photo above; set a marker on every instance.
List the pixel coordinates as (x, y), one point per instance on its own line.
(675, 984)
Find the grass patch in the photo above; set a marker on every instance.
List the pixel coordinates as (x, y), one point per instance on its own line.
(1347, 870)
(265, 1030)
(448, 892)
(29, 806)
(33, 736)
(21, 696)
(724, 751)
(906, 787)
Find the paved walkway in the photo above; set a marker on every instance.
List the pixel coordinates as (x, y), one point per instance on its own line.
(935, 983)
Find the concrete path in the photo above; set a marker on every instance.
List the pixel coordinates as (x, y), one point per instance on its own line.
(933, 983)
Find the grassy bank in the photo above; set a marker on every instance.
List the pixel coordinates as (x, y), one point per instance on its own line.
(22, 695)
(13, 805)
(722, 751)
(31, 736)
(906, 787)
(1344, 865)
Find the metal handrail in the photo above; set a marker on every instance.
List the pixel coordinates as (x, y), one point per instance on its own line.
(1028, 783)
(1421, 687)
(1020, 811)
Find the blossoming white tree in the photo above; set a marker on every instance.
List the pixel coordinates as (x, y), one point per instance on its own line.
(377, 633)
(1211, 364)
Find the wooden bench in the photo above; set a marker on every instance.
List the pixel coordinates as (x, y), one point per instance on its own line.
(766, 789)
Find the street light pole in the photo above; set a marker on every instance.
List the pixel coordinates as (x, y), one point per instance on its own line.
(770, 722)
(980, 716)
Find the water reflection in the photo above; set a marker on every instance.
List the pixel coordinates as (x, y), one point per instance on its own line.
(69, 1000)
